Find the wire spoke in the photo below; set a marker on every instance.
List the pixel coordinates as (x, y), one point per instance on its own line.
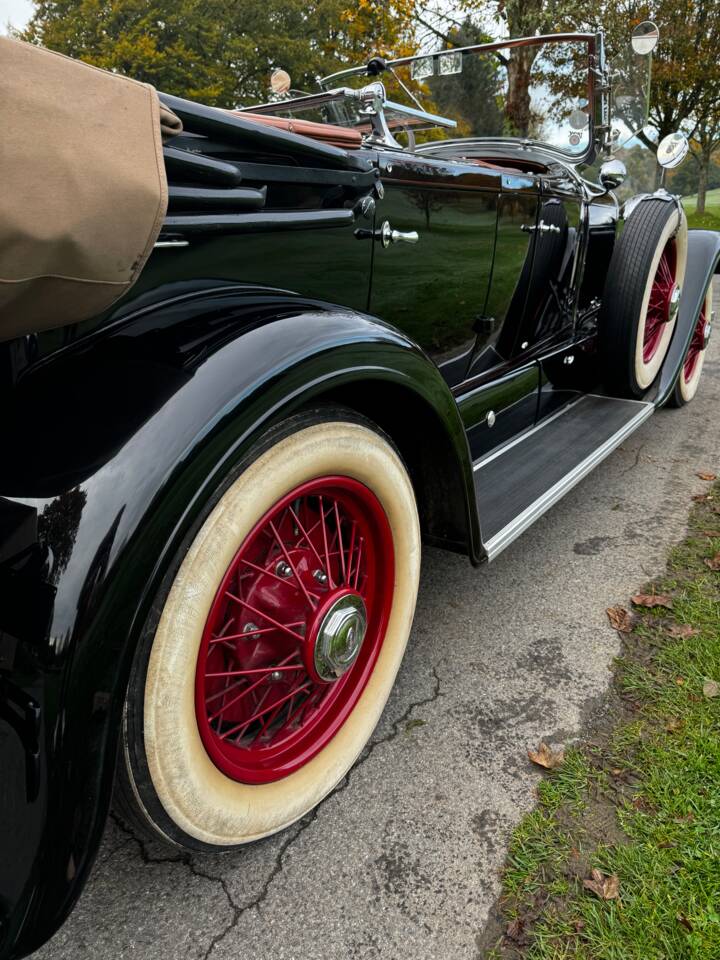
(265, 616)
(292, 566)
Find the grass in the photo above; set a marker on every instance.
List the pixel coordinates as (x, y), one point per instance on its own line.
(710, 220)
(639, 800)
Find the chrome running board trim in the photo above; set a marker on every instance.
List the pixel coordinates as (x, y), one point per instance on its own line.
(503, 538)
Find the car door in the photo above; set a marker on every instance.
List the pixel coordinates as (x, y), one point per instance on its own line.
(499, 397)
(435, 287)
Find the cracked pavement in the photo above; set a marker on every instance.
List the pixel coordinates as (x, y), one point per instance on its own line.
(401, 861)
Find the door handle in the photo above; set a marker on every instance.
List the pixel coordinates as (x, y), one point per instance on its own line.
(541, 227)
(388, 235)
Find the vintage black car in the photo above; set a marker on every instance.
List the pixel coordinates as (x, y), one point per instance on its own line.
(355, 332)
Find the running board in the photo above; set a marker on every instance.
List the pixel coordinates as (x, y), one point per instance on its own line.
(517, 483)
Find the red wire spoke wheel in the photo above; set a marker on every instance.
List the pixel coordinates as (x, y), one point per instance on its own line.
(295, 629)
(663, 303)
(696, 348)
(689, 377)
(642, 294)
(276, 641)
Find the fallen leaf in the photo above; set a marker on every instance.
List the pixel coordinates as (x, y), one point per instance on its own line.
(607, 888)
(616, 771)
(698, 497)
(713, 562)
(681, 918)
(546, 757)
(706, 476)
(515, 928)
(710, 533)
(652, 600)
(680, 681)
(620, 619)
(579, 925)
(682, 630)
(711, 688)
(672, 725)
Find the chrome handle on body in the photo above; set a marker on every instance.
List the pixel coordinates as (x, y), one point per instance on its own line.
(541, 227)
(388, 235)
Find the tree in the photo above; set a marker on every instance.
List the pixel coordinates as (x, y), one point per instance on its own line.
(217, 52)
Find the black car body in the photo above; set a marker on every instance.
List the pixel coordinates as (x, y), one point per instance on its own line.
(278, 285)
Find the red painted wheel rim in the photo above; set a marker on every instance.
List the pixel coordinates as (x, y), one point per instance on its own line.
(659, 304)
(262, 709)
(697, 345)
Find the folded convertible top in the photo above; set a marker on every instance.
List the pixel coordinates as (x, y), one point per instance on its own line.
(84, 189)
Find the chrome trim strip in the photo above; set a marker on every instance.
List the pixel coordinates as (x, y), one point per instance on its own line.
(528, 433)
(503, 538)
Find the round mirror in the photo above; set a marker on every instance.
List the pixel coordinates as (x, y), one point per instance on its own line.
(645, 37)
(672, 150)
(280, 81)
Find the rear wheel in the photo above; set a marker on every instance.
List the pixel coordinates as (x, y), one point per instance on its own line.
(642, 296)
(279, 639)
(688, 379)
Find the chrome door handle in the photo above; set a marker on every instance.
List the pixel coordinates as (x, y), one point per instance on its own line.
(388, 235)
(542, 227)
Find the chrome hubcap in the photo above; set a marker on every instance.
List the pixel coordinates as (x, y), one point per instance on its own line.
(340, 636)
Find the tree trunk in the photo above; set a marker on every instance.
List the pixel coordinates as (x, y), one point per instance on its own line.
(704, 163)
(517, 109)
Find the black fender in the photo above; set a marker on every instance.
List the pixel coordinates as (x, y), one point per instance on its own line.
(702, 262)
(112, 447)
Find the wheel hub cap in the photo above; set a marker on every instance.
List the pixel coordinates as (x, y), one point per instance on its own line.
(339, 636)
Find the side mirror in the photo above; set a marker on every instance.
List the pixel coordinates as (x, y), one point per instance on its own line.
(672, 150)
(645, 37)
(612, 174)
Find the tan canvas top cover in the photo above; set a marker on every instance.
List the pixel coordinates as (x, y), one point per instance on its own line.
(83, 190)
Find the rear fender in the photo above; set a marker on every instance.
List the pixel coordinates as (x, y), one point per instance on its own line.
(114, 448)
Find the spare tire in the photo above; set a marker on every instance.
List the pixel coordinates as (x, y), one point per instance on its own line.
(642, 295)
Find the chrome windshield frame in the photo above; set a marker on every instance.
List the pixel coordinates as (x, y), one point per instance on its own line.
(598, 87)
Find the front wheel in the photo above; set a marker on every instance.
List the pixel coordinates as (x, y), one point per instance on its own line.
(279, 638)
(642, 296)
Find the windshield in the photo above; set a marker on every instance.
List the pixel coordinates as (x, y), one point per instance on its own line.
(537, 91)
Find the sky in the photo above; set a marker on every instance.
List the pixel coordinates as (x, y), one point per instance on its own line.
(15, 12)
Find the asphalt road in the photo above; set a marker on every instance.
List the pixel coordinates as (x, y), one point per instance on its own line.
(401, 862)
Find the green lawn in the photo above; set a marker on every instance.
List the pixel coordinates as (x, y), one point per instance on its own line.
(710, 220)
(640, 800)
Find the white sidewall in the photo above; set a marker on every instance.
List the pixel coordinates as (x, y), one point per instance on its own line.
(688, 388)
(201, 800)
(676, 226)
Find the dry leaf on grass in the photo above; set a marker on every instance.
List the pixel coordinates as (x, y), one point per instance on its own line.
(711, 688)
(620, 619)
(713, 562)
(698, 497)
(704, 475)
(515, 929)
(652, 600)
(682, 630)
(607, 888)
(546, 757)
(674, 724)
(681, 918)
(710, 533)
